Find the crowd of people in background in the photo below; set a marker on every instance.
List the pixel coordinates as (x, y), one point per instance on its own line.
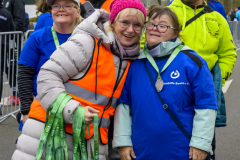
(234, 14)
(142, 52)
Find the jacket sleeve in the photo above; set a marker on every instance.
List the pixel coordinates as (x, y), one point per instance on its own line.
(222, 11)
(67, 61)
(203, 129)
(25, 87)
(122, 126)
(18, 14)
(226, 51)
(122, 119)
(11, 23)
(205, 107)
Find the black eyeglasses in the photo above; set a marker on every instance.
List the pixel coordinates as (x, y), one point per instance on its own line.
(125, 24)
(66, 7)
(160, 27)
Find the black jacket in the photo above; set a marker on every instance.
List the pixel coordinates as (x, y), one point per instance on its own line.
(233, 15)
(97, 3)
(17, 9)
(6, 20)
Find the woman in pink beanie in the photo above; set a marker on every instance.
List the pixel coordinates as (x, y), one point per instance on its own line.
(120, 10)
(123, 13)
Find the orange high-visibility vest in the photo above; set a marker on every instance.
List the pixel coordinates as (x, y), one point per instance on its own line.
(106, 5)
(102, 95)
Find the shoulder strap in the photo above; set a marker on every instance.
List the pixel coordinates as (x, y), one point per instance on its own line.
(207, 9)
(165, 106)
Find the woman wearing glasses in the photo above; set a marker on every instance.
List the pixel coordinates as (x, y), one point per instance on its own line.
(40, 46)
(167, 108)
(91, 67)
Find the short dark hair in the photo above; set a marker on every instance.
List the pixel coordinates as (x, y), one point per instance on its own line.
(158, 11)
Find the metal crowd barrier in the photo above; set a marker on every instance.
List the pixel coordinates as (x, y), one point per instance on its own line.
(27, 34)
(235, 27)
(11, 44)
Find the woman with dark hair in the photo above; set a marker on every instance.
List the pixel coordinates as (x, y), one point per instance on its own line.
(168, 106)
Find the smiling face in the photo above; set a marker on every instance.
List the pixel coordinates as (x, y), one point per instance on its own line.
(68, 15)
(153, 36)
(128, 36)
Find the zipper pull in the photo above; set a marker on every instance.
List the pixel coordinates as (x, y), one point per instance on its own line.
(195, 9)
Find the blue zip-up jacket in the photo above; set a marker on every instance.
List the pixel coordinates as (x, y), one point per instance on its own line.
(189, 92)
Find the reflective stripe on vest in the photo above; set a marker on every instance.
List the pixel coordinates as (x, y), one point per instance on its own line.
(78, 91)
(106, 5)
(83, 90)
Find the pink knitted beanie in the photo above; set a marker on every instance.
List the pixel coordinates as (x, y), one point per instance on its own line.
(118, 5)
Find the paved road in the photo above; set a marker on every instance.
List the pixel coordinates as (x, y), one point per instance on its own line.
(228, 138)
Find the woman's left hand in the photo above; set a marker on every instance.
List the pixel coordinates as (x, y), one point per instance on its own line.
(197, 154)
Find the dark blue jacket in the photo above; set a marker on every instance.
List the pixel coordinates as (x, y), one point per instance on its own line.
(221, 113)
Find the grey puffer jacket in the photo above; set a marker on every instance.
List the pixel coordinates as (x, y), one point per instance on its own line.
(70, 61)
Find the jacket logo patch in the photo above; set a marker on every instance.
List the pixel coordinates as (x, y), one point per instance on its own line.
(213, 28)
(175, 75)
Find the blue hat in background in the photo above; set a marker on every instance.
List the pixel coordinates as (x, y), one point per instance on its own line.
(238, 7)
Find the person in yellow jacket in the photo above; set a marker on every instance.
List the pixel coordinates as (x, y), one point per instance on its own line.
(207, 32)
(209, 35)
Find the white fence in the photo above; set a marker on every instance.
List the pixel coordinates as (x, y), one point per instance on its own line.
(235, 27)
(11, 44)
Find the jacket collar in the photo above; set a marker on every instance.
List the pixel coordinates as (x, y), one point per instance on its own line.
(193, 6)
(163, 49)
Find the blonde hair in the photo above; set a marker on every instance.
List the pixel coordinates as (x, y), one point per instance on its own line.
(79, 19)
(124, 13)
(42, 6)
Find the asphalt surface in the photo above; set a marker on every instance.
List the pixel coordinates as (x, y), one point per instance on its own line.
(228, 138)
